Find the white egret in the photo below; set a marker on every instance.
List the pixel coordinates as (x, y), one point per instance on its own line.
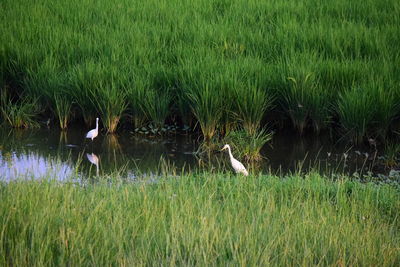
(93, 133)
(237, 165)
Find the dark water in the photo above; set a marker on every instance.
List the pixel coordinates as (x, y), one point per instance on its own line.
(51, 153)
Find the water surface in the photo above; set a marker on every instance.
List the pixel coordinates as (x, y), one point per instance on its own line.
(32, 154)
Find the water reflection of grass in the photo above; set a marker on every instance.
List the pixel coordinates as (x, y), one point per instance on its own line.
(202, 219)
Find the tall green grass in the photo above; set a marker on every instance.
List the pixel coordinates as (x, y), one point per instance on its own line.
(182, 45)
(207, 107)
(111, 103)
(156, 106)
(200, 219)
(135, 96)
(251, 104)
(356, 109)
(19, 113)
(63, 107)
(248, 146)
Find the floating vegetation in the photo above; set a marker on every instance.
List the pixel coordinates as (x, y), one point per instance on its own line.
(153, 130)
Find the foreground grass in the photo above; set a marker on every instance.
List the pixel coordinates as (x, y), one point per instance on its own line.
(202, 219)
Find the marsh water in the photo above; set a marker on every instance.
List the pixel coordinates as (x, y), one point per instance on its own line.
(32, 154)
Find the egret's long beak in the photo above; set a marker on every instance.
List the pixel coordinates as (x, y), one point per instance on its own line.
(223, 149)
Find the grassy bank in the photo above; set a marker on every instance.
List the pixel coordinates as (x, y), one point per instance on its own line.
(321, 62)
(203, 219)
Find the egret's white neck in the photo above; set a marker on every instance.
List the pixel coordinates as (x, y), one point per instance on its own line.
(230, 153)
(97, 125)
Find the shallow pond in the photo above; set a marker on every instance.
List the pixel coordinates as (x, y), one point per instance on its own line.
(47, 152)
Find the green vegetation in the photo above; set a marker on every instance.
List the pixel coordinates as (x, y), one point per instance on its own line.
(20, 113)
(156, 106)
(209, 55)
(200, 219)
(207, 106)
(62, 107)
(247, 146)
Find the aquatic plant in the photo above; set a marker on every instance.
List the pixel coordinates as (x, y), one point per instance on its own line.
(305, 100)
(20, 113)
(135, 95)
(47, 46)
(183, 106)
(85, 79)
(207, 105)
(155, 104)
(251, 103)
(110, 101)
(248, 146)
(387, 108)
(392, 154)
(62, 106)
(356, 110)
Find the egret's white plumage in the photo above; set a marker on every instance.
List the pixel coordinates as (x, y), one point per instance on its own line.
(237, 165)
(93, 133)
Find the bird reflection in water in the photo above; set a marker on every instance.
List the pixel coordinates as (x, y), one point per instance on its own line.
(94, 159)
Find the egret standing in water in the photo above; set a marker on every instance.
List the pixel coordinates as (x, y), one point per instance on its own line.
(93, 133)
(237, 165)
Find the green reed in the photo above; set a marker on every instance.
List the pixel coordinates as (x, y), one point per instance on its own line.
(248, 146)
(356, 109)
(207, 106)
(110, 102)
(251, 103)
(19, 113)
(48, 46)
(155, 104)
(387, 109)
(63, 105)
(200, 219)
(135, 96)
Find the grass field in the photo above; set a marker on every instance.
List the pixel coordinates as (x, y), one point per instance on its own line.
(321, 62)
(200, 219)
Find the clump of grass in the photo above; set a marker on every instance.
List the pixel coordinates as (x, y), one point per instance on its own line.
(200, 219)
(392, 155)
(356, 110)
(20, 113)
(251, 103)
(155, 104)
(183, 106)
(84, 81)
(248, 146)
(305, 100)
(386, 110)
(135, 96)
(62, 106)
(207, 105)
(110, 101)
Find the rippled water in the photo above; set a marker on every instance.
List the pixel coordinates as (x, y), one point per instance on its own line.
(32, 154)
